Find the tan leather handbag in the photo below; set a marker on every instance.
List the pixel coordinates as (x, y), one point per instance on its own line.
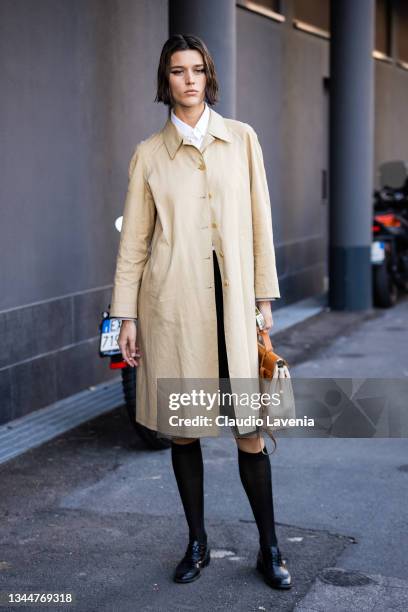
(268, 359)
(274, 376)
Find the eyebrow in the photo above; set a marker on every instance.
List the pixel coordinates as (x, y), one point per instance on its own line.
(195, 66)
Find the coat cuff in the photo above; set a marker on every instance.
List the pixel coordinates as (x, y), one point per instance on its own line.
(122, 310)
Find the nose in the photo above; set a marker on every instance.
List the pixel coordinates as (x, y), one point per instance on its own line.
(189, 77)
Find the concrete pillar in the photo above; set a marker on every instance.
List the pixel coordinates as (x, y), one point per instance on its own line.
(215, 23)
(351, 153)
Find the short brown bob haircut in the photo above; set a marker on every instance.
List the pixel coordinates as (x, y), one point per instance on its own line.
(181, 42)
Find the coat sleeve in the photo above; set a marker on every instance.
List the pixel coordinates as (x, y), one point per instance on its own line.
(266, 276)
(137, 228)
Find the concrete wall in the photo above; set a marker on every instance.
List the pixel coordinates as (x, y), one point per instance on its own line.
(281, 93)
(391, 116)
(77, 91)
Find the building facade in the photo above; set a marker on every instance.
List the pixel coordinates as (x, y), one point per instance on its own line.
(78, 84)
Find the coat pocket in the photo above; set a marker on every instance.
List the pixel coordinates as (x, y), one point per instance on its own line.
(154, 276)
(158, 286)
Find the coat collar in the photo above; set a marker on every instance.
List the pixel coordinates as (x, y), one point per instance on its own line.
(216, 129)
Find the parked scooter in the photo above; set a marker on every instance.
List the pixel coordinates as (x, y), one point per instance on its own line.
(389, 249)
(109, 330)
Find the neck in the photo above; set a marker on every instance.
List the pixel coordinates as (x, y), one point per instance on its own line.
(189, 114)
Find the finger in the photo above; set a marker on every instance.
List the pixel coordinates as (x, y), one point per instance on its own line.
(122, 346)
(126, 352)
(134, 352)
(136, 358)
(132, 346)
(126, 358)
(130, 354)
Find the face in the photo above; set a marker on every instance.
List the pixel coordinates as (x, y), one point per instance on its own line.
(187, 73)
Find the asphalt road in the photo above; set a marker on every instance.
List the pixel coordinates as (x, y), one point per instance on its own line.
(95, 514)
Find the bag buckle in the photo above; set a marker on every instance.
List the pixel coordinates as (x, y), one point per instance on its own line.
(260, 319)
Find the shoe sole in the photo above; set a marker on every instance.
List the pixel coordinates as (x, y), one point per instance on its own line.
(270, 583)
(205, 562)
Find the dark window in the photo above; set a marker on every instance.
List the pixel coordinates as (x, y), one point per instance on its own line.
(314, 12)
(402, 30)
(272, 5)
(382, 26)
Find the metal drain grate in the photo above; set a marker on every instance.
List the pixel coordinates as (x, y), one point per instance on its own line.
(20, 435)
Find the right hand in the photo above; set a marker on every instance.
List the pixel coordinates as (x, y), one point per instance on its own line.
(127, 343)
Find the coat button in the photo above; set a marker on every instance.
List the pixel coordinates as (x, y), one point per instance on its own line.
(226, 283)
(221, 253)
(201, 166)
(213, 225)
(210, 195)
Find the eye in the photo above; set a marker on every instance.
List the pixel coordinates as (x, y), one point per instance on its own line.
(176, 72)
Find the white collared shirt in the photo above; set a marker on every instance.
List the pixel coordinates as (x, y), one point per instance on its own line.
(194, 135)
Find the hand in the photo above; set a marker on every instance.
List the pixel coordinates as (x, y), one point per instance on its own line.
(265, 308)
(127, 343)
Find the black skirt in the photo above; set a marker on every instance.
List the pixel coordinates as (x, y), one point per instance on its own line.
(226, 408)
(222, 351)
(225, 384)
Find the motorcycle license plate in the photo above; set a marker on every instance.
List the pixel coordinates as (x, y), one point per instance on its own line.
(377, 252)
(109, 337)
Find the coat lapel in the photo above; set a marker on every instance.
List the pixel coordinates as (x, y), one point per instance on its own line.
(216, 129)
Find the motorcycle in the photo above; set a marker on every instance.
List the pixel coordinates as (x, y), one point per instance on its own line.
(109, 329)
(389, 248)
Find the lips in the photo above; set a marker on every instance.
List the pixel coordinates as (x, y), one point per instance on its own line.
(191, 91)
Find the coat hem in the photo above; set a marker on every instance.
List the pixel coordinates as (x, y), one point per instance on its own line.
(194, 434)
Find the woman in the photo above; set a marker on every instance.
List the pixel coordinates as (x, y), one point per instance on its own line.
(196, 252)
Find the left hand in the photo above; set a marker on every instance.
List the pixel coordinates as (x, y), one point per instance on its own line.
(266, 310)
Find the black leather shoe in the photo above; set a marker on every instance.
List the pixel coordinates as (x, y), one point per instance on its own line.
(197, 556)
(273, 568)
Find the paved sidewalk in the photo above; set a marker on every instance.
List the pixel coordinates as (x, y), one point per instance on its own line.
(94, 513)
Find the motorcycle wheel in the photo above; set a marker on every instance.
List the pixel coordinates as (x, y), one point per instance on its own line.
(149, 437)
(385, 291)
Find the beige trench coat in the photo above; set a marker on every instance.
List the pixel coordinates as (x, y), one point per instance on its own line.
(180, 201)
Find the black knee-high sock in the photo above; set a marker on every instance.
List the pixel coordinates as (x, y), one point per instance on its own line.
(256, 477)
(188, 469)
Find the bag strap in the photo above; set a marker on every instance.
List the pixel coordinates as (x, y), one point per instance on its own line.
(266, 339)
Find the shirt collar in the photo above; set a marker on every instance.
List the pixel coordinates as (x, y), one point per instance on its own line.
(217, 128)
(198, 130)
